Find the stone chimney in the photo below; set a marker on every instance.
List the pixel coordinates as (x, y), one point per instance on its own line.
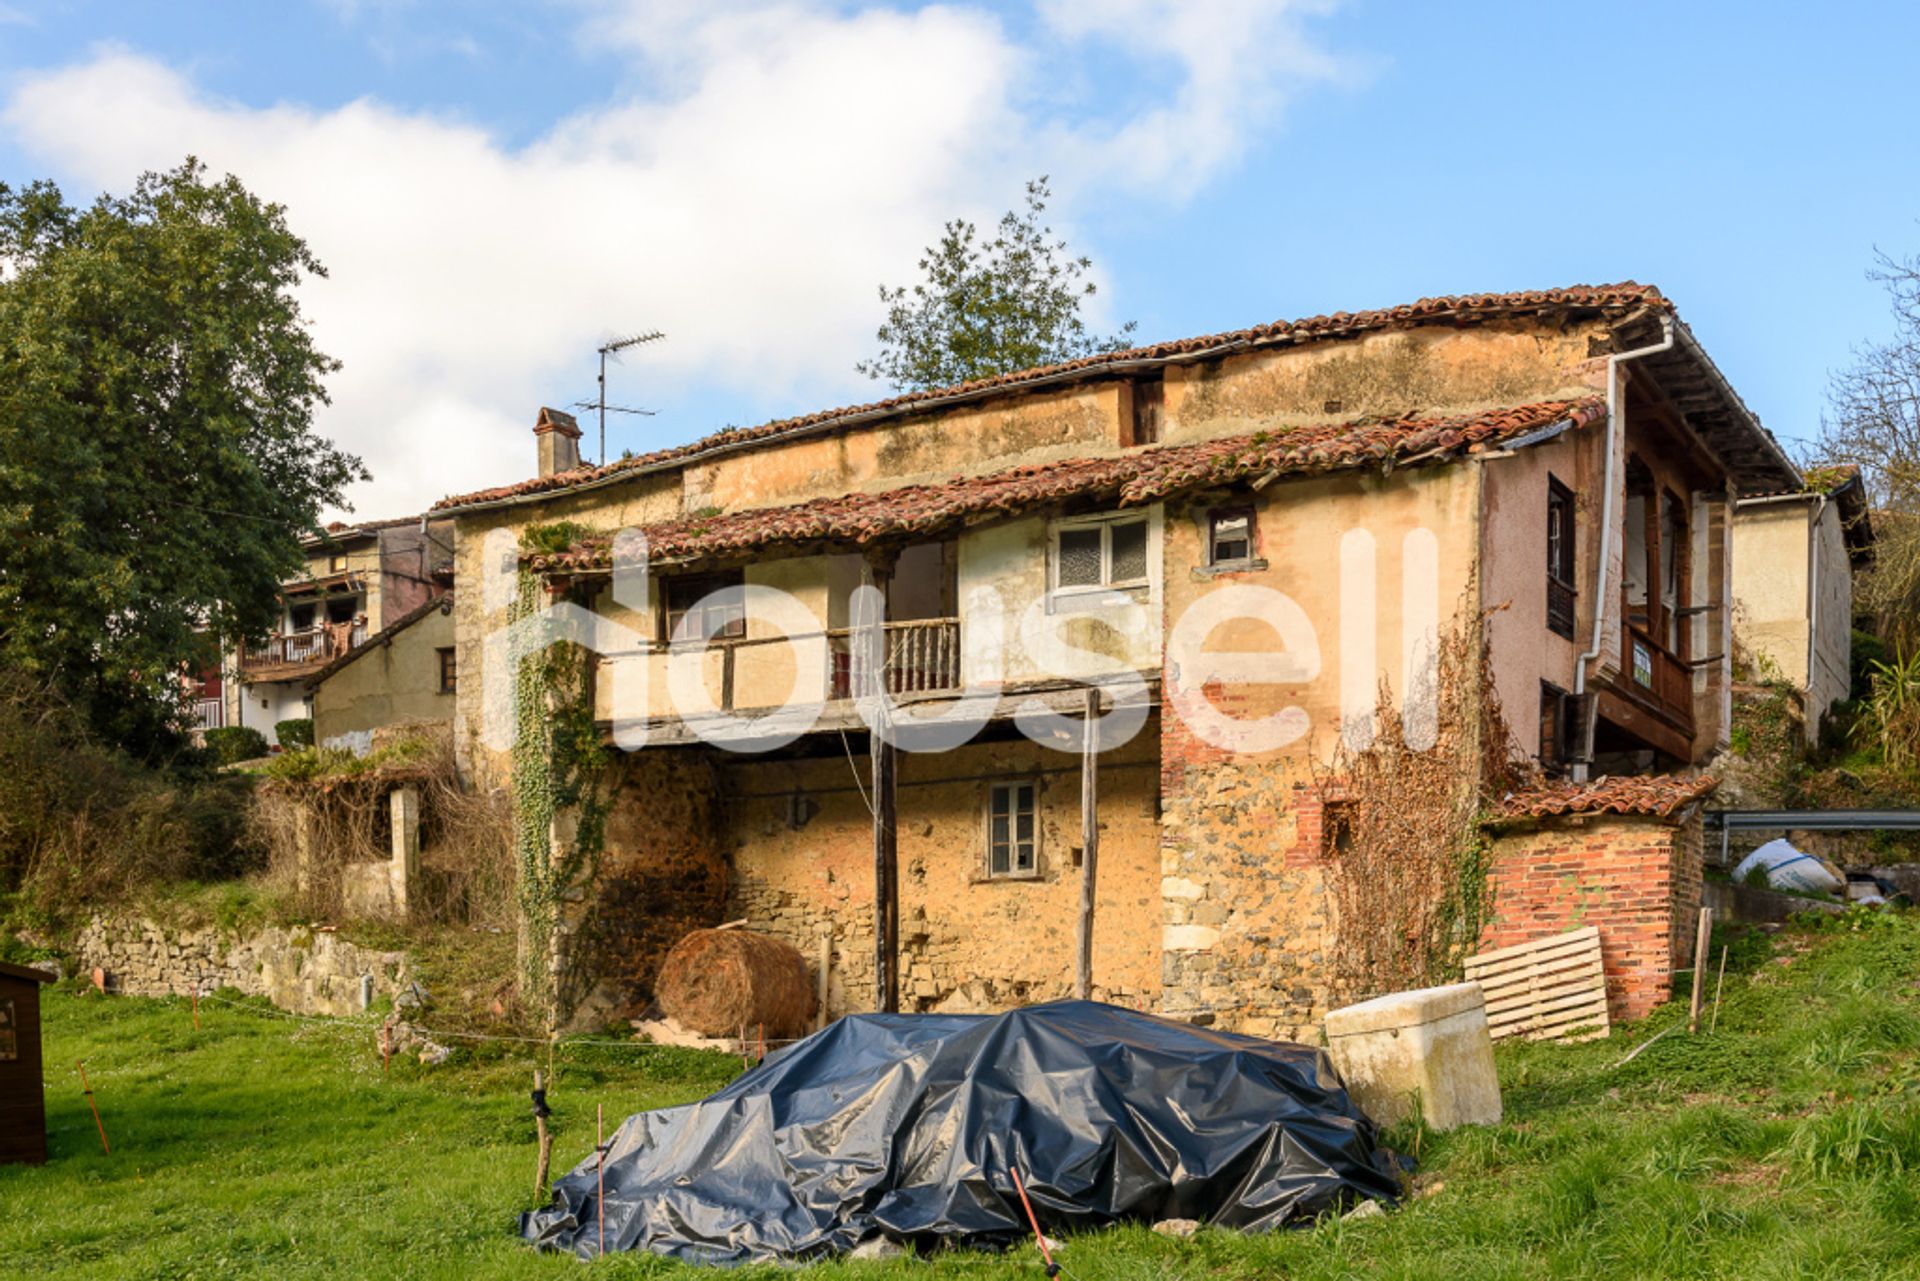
(558, 437)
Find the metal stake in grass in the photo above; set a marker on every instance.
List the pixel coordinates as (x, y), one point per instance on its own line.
(88, 1089)
(1039, 1238)
(600, 1172)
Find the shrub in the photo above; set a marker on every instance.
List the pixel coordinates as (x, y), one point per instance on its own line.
(236, 743)
(295, 734)
(82, 823)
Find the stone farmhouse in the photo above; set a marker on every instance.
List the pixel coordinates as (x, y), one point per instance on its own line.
(359, 580)
(1237, 542)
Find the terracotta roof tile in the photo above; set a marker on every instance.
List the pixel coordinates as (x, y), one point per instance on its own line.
(1128, 479)
(1656, 795)
(1625, 296)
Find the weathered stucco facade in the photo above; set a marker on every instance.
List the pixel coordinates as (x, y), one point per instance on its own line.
(396, 677)
(1284, 526)
(1793, 589)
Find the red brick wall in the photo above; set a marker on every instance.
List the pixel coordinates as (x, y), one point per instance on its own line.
(1636, 878)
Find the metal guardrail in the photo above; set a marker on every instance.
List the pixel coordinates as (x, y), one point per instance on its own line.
(1812, 820)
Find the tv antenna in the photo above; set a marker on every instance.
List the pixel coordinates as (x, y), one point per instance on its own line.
(613, 347)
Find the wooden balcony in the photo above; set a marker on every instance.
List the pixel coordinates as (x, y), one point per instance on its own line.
(295, 652)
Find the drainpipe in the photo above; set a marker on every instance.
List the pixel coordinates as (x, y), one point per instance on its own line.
(1616, 446)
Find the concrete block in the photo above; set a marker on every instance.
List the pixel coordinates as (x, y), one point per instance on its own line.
(1430, 1045)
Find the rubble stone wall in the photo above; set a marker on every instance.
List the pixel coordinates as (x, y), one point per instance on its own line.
(1637, 878)
(800, 837)
(295, 968)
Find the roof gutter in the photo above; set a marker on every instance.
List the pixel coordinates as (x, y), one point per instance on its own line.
(1616, 446)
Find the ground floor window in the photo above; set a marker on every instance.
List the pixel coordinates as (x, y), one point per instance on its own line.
(1012, 830)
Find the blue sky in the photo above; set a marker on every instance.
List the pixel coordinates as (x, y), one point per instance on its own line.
(497, 187)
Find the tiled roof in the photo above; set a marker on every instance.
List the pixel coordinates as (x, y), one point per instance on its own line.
(1141, 477)
(1624, 297)
(1656, 795)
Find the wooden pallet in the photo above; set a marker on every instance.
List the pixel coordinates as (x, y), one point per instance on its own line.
(1551, 989)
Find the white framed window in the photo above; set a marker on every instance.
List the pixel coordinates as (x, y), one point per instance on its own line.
(1100, 553)
(1013, 830)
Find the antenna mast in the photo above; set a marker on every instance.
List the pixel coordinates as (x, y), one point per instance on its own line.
(613, 347)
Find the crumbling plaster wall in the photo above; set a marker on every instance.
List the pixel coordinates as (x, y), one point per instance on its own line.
(1245, 921)
(1513, 573)
(967, 942)
(1438, 369)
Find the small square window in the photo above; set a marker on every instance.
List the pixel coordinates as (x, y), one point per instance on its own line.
(701, 605)
(1101, 554)
(449, 670)
(1012, 831)
(1229, 536)
(337, 563)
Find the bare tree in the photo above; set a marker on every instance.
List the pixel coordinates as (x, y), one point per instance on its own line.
(1873, 421)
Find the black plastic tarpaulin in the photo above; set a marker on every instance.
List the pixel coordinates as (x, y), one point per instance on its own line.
(907, 1126)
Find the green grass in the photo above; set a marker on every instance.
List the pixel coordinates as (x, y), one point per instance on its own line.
(1785, 1144)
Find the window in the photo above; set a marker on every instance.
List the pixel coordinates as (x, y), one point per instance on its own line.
(1148, 410)
(1553, 727)
(300, 617)
(1560, 551)
(449, 670)
(342, 609)
(687, 604)
(337, 563)
(1100, 554)
(1012, 831)
(1229, 535)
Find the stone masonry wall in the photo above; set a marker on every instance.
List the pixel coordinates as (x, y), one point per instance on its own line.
(801, 842)
(1245, 918)
(1637, 878)
(296, 968)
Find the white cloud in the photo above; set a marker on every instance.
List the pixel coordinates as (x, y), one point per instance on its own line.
(800, 154)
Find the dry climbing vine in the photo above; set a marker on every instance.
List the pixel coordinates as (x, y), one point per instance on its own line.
(560, 766)
(1407, 861)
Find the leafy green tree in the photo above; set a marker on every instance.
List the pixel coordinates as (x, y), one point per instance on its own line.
(158, 461)
(988, 307)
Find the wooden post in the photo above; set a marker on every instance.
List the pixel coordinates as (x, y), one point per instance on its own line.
(1718, 985)
(1089, 840)
(826, 979)
(1702, 943)
(886, 887)
(403, 872)
(540, 1113)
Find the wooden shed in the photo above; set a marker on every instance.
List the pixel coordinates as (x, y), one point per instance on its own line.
(23, 1104)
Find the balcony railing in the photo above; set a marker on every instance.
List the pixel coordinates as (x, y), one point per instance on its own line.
(298, 649)
(922, 657)
(1659, 677)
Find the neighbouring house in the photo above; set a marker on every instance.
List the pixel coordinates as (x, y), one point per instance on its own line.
(403, 673)
(1239, 541)
(1794, 555)
(360, 579)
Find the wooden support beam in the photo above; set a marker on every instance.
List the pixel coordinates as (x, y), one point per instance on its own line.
(1089, 840)
(886, 878)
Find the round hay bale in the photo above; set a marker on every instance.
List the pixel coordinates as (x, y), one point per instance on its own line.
(716, 982)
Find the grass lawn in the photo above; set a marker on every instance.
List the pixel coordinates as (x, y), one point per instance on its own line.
(1786, 1144)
